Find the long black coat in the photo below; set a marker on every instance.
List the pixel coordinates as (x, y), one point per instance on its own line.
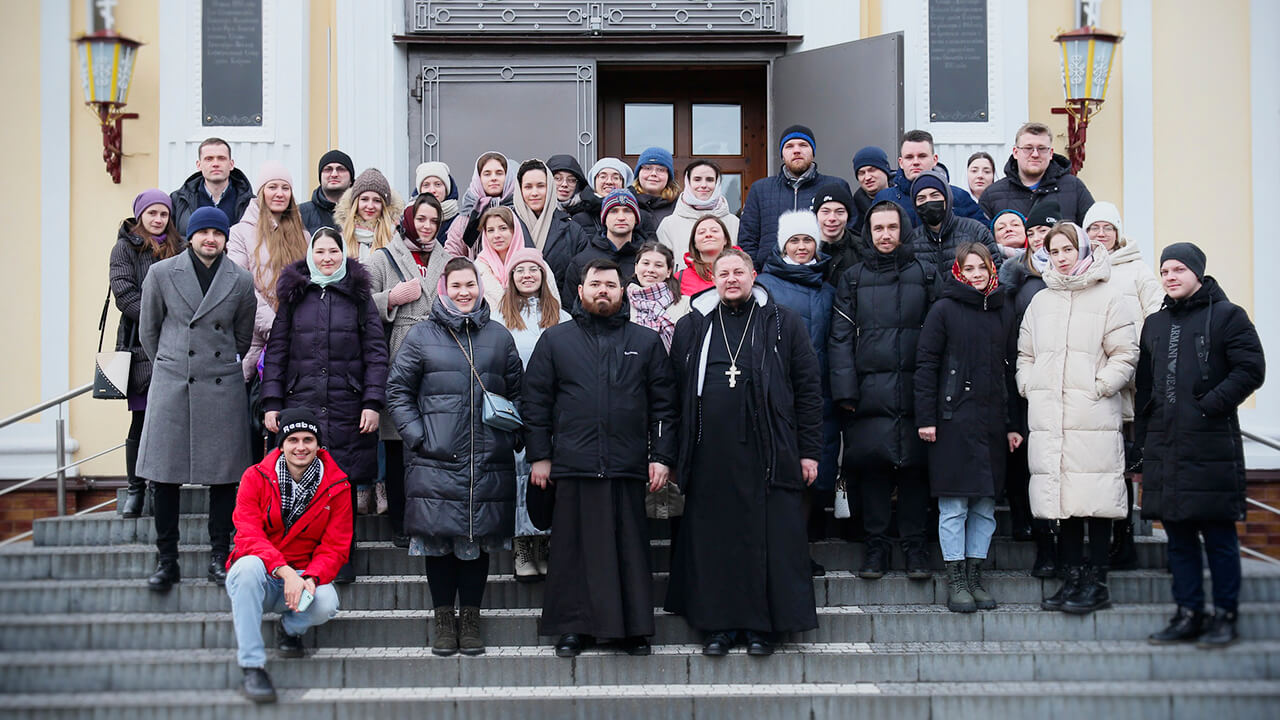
(788, 390)
(460, 474)
(600, 399)
(1008, 193)
(844, 254)
(327, 352)
(130, 261)
(565, 240)
(1020, 286)
(880, 307)
(964, 381)
(1186, 421)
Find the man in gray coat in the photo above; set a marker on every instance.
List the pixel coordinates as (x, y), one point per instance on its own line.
(196, 323)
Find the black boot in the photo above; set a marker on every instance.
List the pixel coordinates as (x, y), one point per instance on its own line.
(917, 561)
(877, 560)
(1221, 632)
(167, 573)
(1123, 555)
(217, 571)
(1069, 587)
(136, 495)
(257, 686)
(288, 646)
(1092, 594)
(1046, 565)
(1185, 626)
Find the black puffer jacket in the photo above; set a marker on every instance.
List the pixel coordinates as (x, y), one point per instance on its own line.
(771, 196)
(599, 246)
(460, 478)
(657, 207)
(187, 198)
(940, 248)
(844, 254)
(964, 382)
(317, 212)
(600, 399)
(564, 241)
(880, 307)
(585, 210)
(130, 261)
(327, 352)
(1020, 286)
(1186, 421)
(1008, 193)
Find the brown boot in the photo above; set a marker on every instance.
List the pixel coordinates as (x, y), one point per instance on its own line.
(446, 627)
(469, 640)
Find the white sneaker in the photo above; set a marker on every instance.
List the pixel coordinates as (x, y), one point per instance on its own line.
(542, 553)
(526, 567)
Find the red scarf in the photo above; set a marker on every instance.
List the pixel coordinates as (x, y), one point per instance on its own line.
(991, 286)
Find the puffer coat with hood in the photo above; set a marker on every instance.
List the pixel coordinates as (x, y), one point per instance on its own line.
(940, 248)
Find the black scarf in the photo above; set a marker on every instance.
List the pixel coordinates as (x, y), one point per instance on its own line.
(295, 495)
(204, 275)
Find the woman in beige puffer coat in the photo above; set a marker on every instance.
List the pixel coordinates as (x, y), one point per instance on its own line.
(1077, 349)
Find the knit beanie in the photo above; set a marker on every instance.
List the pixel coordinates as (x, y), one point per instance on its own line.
(372, 180)
(873, 156)
(1107, 213)
(614, 164)
(1188, 254)
(797, 131)
(618, 197)
(435, 169)
(556, 163)
(298, 420)
(796, 222)
(1046, 212)
(272, 170)
(205, 218)
(335, 156)
(1008, 211)
(930, 179)
(147, 198)
(833, 192)
(657, 156)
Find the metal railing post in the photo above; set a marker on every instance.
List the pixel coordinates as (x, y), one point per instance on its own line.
(60, 443)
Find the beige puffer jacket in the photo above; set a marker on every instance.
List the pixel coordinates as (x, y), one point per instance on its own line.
(1133, 277)
(1077, 349)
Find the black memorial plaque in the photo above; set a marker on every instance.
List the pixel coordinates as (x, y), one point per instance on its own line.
(958, 61)
(231, 72)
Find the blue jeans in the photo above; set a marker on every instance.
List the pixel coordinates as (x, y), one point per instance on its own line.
(1222, 546)
(254, 592)
(965, 526)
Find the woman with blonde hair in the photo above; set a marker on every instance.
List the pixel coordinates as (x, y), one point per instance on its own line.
(368, 214)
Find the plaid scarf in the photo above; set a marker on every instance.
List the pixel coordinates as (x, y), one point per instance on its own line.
(991, 285)
(295, 495)
(649, 308)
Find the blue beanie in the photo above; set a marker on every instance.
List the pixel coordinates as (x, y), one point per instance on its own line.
(657, 156)
(930, 179)
(797, 131)
(873, 156)
(205, 218)
(618, 197)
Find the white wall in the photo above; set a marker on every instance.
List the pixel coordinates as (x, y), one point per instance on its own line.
(823, 22)
(373, 88)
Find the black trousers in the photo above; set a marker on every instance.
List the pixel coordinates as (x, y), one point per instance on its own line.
(1222, 546)
(1071, 541)
(222, 501)
(875, 488)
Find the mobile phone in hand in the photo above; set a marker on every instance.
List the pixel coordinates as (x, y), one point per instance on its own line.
(304, 601)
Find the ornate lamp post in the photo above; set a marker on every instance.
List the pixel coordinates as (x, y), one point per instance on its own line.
(106, 68)
(1086, 66)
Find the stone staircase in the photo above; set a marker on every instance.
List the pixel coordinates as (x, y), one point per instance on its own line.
(81, 636)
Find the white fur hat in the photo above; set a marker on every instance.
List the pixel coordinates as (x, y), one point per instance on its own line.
(796, 222)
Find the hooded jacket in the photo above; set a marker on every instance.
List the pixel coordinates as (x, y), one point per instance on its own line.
(899, 191)
(586, 212)
(1200, 359)
(460, 477)
(767, 199)
(600, 399)
(1057, 182)
(940, 248)
(317, 543)
(327, 352)
(318, 211)
(187, 198)
(599, 246)
(1077, 349)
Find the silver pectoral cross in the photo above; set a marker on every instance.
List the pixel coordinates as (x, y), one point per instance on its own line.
(733, 372)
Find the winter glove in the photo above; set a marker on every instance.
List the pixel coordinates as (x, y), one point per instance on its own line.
(404, 292)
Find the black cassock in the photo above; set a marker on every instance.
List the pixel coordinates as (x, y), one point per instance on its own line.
(742, 554)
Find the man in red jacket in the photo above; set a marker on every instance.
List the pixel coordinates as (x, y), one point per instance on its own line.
(293, 532)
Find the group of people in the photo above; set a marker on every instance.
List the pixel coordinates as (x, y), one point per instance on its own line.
(544, 358)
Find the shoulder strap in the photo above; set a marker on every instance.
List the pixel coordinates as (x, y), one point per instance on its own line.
(395, 268)
(102, 321)
(467, 355)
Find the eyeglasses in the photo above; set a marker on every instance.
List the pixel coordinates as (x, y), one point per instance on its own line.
(1035, 149)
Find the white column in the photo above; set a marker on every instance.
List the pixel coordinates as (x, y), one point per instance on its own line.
(373, 88)
(1139, 127)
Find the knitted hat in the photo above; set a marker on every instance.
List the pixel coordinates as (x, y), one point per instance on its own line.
(335, 156)
(147, 198)
(298, 420)
(614, 164)
(1188, 254)
(930, 179)
(657, 156)
(1104, 212)
(833, 192)
(372, 180)
(556, 163)
(1046, 212)
(272, 170)
(873, 156)
(435, 169)
(618, 197)
(796, 222)
(205, 218)
(1007, 211)
(797, 131)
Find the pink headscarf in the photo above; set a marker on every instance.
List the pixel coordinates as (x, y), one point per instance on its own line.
(474, 202)
(527, 254)
(490, 256)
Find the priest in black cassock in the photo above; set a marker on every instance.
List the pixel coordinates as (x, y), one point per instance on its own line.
(751, 402)
(600, 408)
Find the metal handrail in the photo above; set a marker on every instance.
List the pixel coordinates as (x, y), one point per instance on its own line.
(62, 469)
(59, 443)
(1261, 440)
(64, 397)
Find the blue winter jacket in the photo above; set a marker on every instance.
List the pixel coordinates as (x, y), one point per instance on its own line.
(767, 199)
(899, 191)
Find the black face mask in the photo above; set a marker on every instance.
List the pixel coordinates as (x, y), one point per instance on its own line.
(932, 211)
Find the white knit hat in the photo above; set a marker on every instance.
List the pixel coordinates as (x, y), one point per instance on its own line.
(1103, 211)
(434, 169)
(796, 222)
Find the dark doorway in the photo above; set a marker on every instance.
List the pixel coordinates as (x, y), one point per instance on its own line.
(714, 112)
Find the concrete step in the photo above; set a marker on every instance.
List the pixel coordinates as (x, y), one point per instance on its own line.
(410, 592)
(215, 669)
(1157, 700)
(408, 628)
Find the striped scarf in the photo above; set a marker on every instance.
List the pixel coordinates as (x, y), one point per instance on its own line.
(295, 495)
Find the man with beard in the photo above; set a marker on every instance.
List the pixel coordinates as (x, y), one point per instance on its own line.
(600, 411)
(751, 396)
(336, 174)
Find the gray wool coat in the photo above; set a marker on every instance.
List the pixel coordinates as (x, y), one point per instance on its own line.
(383, 277)
(197, 424)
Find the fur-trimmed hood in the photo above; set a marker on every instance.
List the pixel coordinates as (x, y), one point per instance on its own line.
(296, 278)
